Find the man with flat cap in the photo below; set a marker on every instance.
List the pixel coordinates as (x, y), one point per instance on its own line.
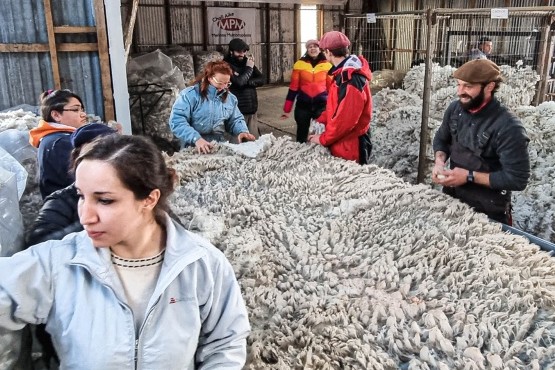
(486, 145)
(349, 105)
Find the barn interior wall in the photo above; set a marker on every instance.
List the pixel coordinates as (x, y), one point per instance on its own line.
(178, 22)
(161, 23)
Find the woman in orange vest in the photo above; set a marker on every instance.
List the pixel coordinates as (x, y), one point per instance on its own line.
(62, 112)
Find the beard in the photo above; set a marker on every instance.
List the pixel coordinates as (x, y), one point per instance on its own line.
(474, 102)
(238, 61)
(239, 58)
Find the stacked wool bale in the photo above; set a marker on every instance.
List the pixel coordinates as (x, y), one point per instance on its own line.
(154, 83)
(397, 116)
(534, 208)
(182, 59)
(347, 266)
(31, 200)
(203, 57)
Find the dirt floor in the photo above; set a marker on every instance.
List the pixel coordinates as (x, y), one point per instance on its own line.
(270, 108)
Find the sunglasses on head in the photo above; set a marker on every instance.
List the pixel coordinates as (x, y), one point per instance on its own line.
(228, 84)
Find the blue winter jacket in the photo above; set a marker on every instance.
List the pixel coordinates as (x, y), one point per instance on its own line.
(196, 317)
(193, 117)
(54, 159)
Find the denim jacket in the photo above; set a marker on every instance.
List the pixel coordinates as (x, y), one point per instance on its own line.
(193, 117)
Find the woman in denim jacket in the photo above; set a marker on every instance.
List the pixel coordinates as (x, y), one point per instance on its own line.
(204, 111)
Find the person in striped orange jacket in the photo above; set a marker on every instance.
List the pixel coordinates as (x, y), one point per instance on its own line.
(309, 85)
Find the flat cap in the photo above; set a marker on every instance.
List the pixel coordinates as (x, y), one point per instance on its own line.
(334, 40)
(478, 71)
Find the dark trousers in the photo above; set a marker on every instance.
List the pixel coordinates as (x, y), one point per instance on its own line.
(303, 115)
(48, 351)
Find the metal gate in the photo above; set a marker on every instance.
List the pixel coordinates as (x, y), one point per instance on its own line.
(448, 36)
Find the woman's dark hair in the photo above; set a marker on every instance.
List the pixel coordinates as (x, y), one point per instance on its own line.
(55, 100)
(307, 58)
(209, 71)
(138, 163)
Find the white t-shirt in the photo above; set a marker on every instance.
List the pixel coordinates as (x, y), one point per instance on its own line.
(139, 278)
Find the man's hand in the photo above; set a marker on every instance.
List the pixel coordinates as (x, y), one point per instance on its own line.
(245, 136)
(203, 146)
(314, 139)
(452, 178)
(437, 171)
(250, 61)
(284, 116)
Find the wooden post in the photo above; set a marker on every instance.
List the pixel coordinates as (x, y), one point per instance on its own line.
(424, 137)
(205, 33)
(268, 44)
(298, 46)
(52, 44)
(104, 59)
(129, 27)
(168, 16)
(544, 61)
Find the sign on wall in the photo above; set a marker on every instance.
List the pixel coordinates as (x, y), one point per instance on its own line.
(225, 24)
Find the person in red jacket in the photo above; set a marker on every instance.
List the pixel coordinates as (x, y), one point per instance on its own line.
(309, 85)
(349, 107)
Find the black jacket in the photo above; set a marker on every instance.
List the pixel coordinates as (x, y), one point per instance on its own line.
(57, 217)
(53, 157)
(498, 132)
(244, 82)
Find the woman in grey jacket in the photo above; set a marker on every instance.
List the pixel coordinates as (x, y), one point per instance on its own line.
(134, 290)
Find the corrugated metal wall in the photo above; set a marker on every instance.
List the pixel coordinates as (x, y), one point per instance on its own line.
(23, 76)
(166, 22)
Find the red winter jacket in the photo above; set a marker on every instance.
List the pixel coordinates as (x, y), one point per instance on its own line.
(349, 108)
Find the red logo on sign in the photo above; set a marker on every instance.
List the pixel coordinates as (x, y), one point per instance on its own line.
(231, 24)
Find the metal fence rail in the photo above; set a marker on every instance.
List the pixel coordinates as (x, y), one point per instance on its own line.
(399, 40)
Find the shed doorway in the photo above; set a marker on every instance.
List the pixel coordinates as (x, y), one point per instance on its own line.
(309, 25)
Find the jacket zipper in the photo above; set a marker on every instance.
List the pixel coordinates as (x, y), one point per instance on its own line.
(136, 352)
(123, 303)
(140, 331)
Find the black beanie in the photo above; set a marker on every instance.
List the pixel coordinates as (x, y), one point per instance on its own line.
(238, 45)
(89, 132)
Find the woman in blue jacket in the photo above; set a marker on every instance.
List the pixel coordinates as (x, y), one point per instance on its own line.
(62, 113)
(204, 111)
(134, 289)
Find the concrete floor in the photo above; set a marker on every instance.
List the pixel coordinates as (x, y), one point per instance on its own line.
(270, 108)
